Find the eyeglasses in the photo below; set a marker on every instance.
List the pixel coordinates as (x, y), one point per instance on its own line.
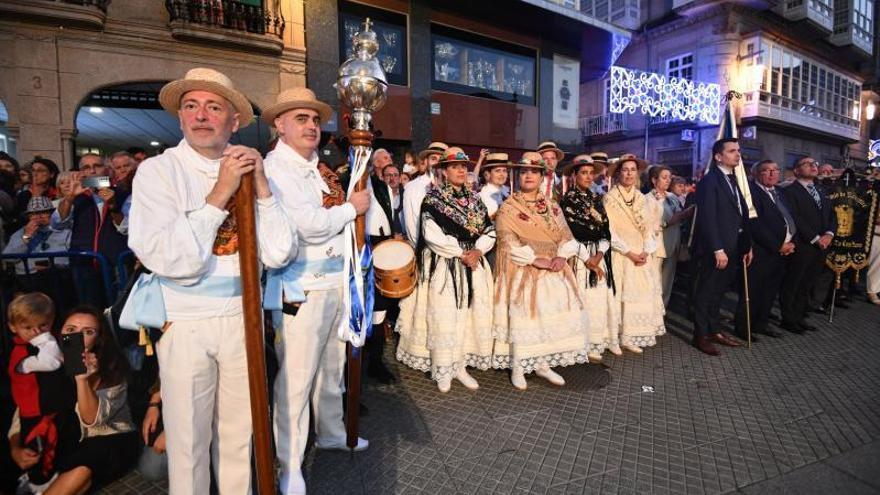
(392, 175)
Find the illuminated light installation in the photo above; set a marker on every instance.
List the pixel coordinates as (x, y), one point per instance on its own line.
(658, 95)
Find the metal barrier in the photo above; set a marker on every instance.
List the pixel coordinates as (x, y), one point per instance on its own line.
(111, 284)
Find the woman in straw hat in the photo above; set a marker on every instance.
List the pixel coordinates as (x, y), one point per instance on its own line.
(494, 190)
(540, 320)
(586, 217)
(443, 324)
(632, 243)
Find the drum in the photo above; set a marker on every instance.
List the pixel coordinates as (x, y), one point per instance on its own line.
(394, 263)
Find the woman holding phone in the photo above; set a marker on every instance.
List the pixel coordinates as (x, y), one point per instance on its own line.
(109, 442)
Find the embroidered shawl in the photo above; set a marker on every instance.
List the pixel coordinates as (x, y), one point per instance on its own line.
(588, 222)
(537, 224)
(460, 213)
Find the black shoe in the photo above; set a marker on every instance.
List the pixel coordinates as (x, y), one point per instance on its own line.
(745, 338)
(841, 305)
(363, 410)
(792, 327)
(770, 333)
(381, 373)
(819, 310)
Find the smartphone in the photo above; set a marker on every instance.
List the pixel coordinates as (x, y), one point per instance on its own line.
(73, 346)
(96, 182)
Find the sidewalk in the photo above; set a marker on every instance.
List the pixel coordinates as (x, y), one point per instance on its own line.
(798, 415)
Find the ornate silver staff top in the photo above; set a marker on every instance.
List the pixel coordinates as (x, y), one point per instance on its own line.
(361, 84)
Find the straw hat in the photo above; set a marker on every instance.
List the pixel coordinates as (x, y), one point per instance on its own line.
(577, 162)
(435, 148)
(453, 155)
(496, 160)
(641, 164)
(531, 159)
(600, 157)
(551, 146)
(39, 204)
(202, 79)
(296, 98)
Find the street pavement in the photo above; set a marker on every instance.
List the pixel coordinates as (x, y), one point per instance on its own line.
(795, 415)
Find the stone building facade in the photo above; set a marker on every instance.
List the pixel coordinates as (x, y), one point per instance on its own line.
(57, 54)
(802, 93)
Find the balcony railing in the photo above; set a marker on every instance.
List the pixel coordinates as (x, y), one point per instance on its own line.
(605, 123)
(88, 14)
(227, 21)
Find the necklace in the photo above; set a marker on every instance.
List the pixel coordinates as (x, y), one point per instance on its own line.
(628, 202)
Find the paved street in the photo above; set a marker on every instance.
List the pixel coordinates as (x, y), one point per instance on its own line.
(796, 415)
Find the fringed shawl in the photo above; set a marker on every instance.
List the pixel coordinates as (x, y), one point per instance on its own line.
(460, 213)
(539, 225)
(629, 223)
(588, 222)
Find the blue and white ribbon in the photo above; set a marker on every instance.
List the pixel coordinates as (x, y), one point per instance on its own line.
(358, 280)
(145, 306)
(286, 282)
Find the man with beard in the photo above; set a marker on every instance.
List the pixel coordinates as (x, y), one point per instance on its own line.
(184, 229)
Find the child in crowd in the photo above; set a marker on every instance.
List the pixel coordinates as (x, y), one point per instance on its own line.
(41, 391)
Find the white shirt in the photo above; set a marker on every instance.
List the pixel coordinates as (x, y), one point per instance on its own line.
(48, 357)
(172, 231)
(376, 221)
(413, 194)
(492, 197)
(300, 189)
(447, 246)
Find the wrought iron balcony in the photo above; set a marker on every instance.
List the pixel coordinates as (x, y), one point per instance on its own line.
(87, 14)
(228, 22)
(605, 123)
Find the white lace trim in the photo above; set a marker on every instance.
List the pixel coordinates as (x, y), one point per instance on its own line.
(552, 360)
(439, 373)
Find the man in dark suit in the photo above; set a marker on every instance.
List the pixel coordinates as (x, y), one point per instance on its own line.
(772, 235)
(815, 225)
(722, 243)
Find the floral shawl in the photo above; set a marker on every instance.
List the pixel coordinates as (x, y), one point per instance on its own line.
(629, 222)
(541, 226)
(461, 213)
(588, 222)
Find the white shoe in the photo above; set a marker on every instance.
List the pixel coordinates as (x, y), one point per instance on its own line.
(466, 379)
(873, 298)
(444, 384)
(518, 379)
(340, 445)
(594, 357)
(551, 376)
(634, 349)
(292, 483)
(615, 349)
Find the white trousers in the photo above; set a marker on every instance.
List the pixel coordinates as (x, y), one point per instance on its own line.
(311, 359)
(206, 405)
(873, 281)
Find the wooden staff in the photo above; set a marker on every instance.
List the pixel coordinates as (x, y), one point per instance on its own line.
(357, 138)
(253, 334)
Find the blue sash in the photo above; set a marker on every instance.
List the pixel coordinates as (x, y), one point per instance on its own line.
(145, 306)
(286, 281)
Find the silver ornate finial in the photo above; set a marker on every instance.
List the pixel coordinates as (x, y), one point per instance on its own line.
(361, 84)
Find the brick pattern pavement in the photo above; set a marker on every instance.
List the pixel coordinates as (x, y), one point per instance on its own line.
(800, 412)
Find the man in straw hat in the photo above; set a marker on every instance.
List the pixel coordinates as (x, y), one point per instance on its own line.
(183, 228)
(551, 187)
(309, 290)
(600, 164)
(415, 191)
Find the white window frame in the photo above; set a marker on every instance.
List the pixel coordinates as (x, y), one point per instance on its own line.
(681, 65)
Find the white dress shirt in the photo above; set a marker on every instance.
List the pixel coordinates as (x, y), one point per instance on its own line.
(300, 188)
(413, 194)
(172, 231)
(492, 197)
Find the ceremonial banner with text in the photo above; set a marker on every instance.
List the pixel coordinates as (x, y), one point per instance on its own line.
(854, 204)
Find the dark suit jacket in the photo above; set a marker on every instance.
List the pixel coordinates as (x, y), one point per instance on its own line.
(720, 225)
(768, 230)
(811, 221)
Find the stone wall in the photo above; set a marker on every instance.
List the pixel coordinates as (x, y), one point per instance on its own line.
(49, 70)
